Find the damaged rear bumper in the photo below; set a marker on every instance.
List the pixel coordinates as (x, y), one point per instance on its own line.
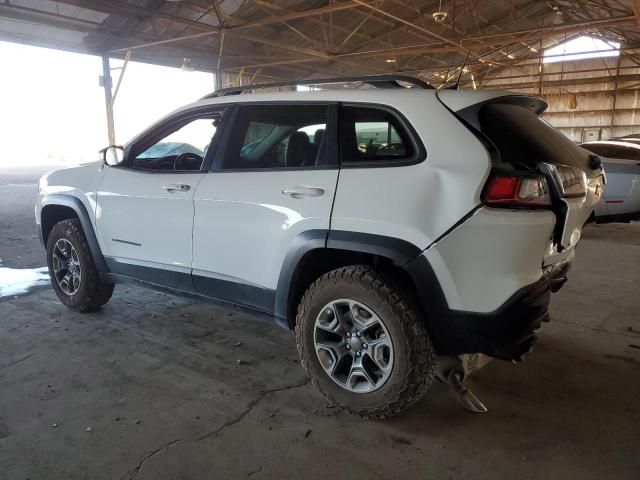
(507, 333)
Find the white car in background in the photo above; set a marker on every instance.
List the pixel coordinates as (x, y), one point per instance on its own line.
(621, 159)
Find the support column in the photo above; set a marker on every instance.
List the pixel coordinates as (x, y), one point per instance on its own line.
(108, 97)
(614, 105)
(540, 69)
(219, 80)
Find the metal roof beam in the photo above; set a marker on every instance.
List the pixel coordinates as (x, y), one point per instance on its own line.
(636, 9)
(120, 9)
(506, 38)
(410, 24)
(276, 18)
(31, 15)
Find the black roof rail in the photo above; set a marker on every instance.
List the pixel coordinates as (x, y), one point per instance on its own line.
(378, 81)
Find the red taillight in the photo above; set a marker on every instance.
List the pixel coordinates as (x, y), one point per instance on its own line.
(501, 189)
(516, 191)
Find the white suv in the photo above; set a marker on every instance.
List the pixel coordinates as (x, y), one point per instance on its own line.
(386, 226)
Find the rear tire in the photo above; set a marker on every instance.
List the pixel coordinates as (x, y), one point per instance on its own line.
(73, 272)
(362, 310)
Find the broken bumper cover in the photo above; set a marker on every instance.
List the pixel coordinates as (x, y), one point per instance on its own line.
(557, 272)
(507, 333)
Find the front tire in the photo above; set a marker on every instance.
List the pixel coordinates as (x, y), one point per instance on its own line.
(363, 344)
(73, 272)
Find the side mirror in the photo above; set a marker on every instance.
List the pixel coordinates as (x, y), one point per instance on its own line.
(113, 155)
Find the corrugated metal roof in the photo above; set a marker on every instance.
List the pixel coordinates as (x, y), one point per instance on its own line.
(295, 39)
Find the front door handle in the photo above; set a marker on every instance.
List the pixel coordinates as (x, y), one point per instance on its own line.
(303, 191)
(177, 187)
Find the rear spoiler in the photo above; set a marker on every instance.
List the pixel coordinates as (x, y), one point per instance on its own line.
(459, 99)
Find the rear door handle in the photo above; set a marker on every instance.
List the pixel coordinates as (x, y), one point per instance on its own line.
(303, 191)
(177, 187)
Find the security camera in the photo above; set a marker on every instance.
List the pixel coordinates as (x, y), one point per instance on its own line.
(440, 16)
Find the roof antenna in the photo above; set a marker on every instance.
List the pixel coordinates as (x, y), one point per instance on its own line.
(456, 86)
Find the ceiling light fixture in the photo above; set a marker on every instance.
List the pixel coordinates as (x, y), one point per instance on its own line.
(441, 15)
(559, 17)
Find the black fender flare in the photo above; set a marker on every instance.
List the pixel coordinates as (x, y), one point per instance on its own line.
(399, 252)
(77, 206)
(299, 247)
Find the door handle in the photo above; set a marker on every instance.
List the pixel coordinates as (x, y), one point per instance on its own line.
(177, 187)
(302, 192)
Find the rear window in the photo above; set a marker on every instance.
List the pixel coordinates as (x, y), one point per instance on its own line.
(522, 136)
(373, 135)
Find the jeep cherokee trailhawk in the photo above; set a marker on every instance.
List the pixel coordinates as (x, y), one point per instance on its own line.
(387, 224)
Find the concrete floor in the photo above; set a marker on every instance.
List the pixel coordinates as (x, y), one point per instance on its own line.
(150, 387)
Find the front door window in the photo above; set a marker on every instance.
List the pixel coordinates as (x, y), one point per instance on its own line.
(182, 149)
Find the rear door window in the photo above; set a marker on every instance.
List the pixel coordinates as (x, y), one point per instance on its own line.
(278, 137)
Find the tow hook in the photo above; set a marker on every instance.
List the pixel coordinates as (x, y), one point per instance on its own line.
(557, 283)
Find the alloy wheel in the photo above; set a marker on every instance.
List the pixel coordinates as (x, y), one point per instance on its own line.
(353, 346)
(66, 267)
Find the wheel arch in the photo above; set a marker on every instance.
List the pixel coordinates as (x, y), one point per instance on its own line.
(314, 253)
(56, 208)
